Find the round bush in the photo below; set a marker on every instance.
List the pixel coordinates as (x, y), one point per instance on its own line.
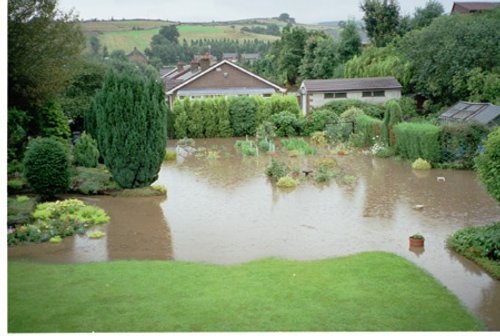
(46, 167)
(421, 164)
(85, 152)
(488, 164)
(286, 124)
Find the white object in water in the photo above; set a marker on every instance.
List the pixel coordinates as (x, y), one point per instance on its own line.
(419, 207)
(441, 179)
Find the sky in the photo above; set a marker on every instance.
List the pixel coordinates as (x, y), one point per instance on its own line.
(304, 11)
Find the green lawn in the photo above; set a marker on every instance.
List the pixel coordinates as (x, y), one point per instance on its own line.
(364, 292)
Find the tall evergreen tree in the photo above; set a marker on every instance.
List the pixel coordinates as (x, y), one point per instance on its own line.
(130, 116)
(381, 19)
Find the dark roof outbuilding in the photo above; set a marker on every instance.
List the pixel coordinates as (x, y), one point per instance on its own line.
(350, 84)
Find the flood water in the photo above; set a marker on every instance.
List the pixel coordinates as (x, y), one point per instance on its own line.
(226, 211)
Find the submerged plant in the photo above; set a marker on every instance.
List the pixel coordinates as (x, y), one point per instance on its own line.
(299, 145)
(421, 164)
(96, 234)
(287, 182)
(277, 169)
(246, 147)
(170, 155)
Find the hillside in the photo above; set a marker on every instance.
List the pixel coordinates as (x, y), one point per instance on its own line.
(127, 34)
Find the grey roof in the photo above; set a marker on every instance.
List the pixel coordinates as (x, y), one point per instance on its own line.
(475, 6)
(229, 55)
(166, 70)
(483, 113)
(351, 84)
(250, 56)
(226, 92)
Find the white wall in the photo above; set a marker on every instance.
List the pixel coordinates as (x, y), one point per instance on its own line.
(317, 99)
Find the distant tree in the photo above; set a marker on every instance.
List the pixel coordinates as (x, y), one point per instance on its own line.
(170, 33)
(350, 41)
(131, 127)
(285, 17)
(95, 45)
(381, 18)
(43, 45)
(290, 50)
(424, 16)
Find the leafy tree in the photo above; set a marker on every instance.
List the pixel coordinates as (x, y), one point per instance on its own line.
(43, 47)
(46, 167)
(445, 53)
(290, 51)
(381, 19)
(350, 41)
(424, 16)
(131, 127)
(17, 129)
(95, 45)
(488, 164)
(170, 33)
(77, 97)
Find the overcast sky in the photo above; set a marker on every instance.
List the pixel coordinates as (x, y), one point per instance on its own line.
(304, 11)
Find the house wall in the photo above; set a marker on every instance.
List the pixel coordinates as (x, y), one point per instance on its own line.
(234, 78)
(317, 99)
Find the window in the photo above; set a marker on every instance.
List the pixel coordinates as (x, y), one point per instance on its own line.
(341, 95)
(380, 93)
(328, 95)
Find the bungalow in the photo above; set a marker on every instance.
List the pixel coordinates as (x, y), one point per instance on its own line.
(318, 92)
(233, 57)
(221, 79)
(481, 113)
(473, 7)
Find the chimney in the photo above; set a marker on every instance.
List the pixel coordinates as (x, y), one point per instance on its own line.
(180, 66)
(194, 66)
(205, 62)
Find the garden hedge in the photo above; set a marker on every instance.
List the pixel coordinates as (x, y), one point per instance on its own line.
(418, 140)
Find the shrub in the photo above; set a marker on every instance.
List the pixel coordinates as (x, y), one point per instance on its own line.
(287, 182)
(299, 145)
(242, 111)
(275, 105)
(61, 218)
(340, 106)
(418, 140)
(52, 121)
(319, 139)
(266, 130)
(17, 130)
(46, 167)
(421, 164)
(96, 234)
(325, 174)
(131, 117)
(408, 108)
(460, 142)
(181, 119)
(317, 120)
(287, 124)
(326, 163)
(277, 169)
(171, 124)
(19, 209)
(186, 142)
(246, 147)
(170, 155)
(93, 181)
(16, 183)
(481, 244)
(488, 164)
(221, 106)
(392, 117)
(85, 151)
(369, 129)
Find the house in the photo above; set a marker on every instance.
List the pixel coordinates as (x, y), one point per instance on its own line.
(137, 56)
(473, 7)
(318, 92)
(483, 113)
(233, 57)
(221, 79)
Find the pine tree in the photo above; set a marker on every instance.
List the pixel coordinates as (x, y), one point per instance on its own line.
(210, 115)
(181, 120)
(130, 116)
(223, 117)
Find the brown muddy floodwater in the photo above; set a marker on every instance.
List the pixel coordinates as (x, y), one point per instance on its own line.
(226, 211)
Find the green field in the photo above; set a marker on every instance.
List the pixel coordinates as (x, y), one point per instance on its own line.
(120, 34)
(364, 292)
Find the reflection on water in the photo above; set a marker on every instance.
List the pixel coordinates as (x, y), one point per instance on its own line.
(226, 211)
(137, 231)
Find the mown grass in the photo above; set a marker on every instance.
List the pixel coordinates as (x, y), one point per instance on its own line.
(368, 292)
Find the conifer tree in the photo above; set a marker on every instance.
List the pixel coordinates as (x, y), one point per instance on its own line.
(223, 117)
(181, 120)
(130, 116)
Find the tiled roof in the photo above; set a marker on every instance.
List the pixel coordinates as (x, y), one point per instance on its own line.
(351, 84)
(475, 6)
(225, 92)
(483, 113)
